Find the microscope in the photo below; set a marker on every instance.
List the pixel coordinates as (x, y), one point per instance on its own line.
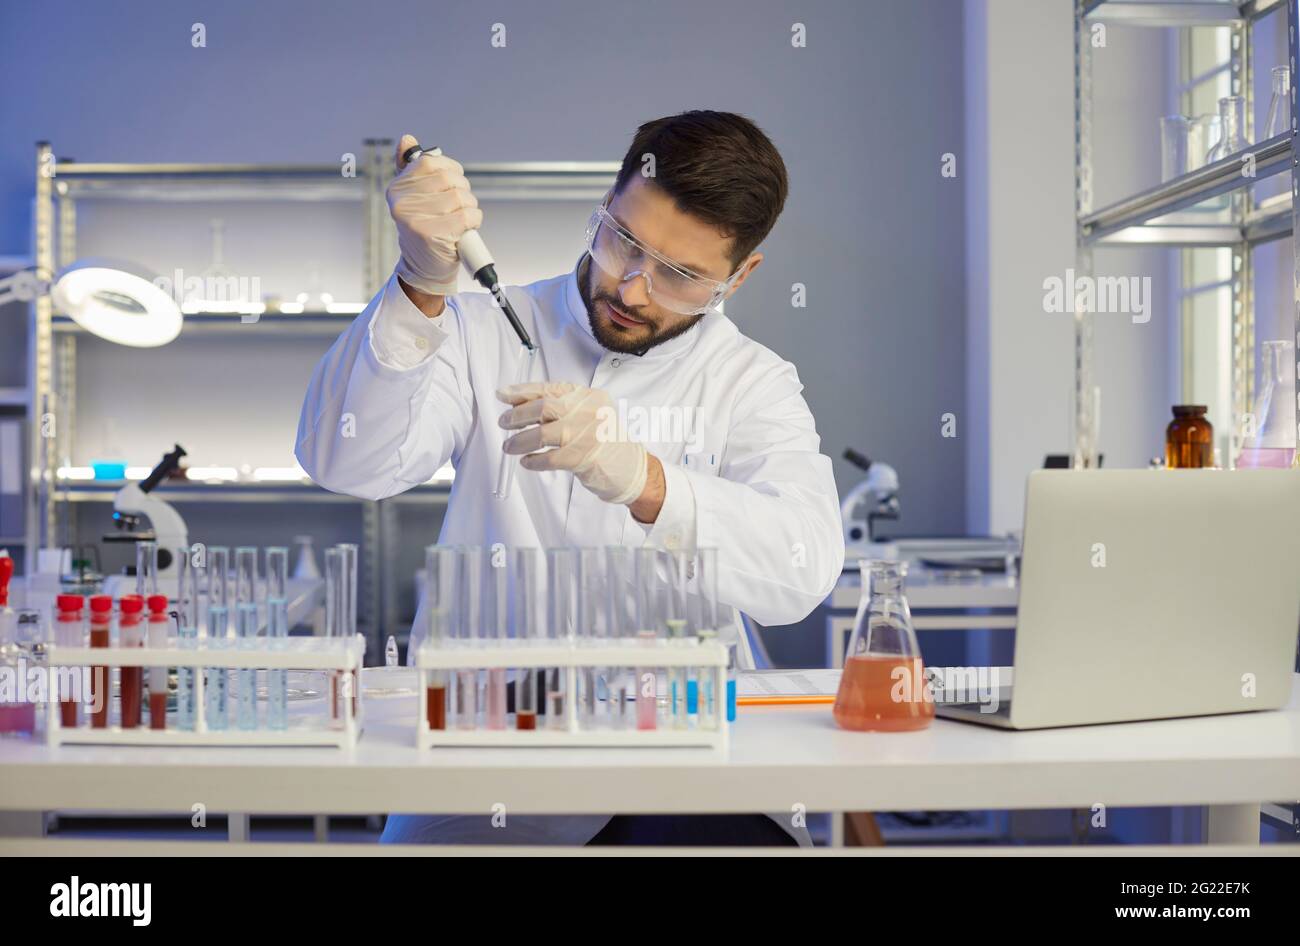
(873, 499)
(135, 501)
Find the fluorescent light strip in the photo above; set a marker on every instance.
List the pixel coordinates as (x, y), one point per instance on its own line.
(227, 473)
(279, 474)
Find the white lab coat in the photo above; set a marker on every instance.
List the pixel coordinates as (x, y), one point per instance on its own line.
(399, 394)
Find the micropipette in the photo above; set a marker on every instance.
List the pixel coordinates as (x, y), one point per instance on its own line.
(478, 261)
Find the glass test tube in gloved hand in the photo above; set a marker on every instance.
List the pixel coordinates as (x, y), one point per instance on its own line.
(510, 462)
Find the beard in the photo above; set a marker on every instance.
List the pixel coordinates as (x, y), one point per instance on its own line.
(615, 337)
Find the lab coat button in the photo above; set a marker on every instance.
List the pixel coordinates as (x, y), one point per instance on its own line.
(615, 363)
(422, 343)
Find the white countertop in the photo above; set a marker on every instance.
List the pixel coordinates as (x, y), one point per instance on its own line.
(779, 757)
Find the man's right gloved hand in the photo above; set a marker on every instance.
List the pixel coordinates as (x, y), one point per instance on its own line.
(431, 203)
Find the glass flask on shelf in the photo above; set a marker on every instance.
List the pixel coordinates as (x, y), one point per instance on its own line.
(1279, 106)
(883, 687)
(1189, 439)
(1269, 431)
(1232, 129)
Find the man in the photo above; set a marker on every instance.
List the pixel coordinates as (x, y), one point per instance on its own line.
(423, 376)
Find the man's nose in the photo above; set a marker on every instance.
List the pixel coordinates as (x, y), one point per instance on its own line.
(634, 290)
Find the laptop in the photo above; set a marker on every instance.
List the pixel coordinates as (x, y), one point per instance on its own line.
(1149, 594)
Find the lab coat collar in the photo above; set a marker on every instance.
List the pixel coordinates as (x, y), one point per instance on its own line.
(578, 312)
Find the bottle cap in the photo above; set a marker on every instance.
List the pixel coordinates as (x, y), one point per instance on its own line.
(71, 602)
(131, 604)
(157, 603)
(100, 603)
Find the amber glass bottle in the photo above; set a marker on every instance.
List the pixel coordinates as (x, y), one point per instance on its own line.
(1189, 439)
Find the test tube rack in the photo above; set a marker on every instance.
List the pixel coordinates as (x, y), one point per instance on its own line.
(708, 656)
(288, 653)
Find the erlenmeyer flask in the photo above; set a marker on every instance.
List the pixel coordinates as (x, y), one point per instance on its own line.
(1232, 129)
(883, 685)
(1270, 429)
(1279, 106)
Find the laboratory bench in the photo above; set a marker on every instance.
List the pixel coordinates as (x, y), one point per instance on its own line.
(780, 759)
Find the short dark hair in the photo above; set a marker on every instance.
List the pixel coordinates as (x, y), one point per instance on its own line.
(716, 166)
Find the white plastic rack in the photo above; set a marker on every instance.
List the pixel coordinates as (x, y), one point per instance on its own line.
(709, 656)
(292, 653)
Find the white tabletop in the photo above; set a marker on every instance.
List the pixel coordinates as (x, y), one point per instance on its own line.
(779, 757)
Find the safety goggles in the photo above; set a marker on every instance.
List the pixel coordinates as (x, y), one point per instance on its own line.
(622, 256)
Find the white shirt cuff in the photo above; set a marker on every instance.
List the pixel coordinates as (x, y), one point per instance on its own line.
(401, 336)
(675, 527)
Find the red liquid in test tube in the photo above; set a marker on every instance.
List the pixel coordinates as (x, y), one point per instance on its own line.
(131, 634)
(69, 631)
(101, 616)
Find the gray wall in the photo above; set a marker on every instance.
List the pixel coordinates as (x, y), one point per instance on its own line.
(862, 116)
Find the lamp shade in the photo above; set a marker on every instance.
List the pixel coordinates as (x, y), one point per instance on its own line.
(118, 302)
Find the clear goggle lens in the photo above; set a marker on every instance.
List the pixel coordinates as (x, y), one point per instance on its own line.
(622, 256)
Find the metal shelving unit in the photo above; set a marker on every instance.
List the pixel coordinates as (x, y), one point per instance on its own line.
(1137, 220)
(52, 338)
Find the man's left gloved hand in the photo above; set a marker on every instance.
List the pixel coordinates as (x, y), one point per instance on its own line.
(581, 426)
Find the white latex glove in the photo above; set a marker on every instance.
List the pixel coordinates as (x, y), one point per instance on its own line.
(431, 203)
(581, 425)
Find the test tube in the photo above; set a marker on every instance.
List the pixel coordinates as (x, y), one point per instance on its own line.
(560, 570)
(187, 625)
(69, 631)
(216, 680)
(528, 616)
(649, 594)
(159, 625)
(589, 628)
(439, 593)
(277, 632)
(146, 568)
(277, 688)
(469, 631)
(496, 614)
(245, 576)
(131, 679)
(676, 619)
(510, 462)
(619, 582)
(348, 615)
(706, 625)
(246, 626)
(334, 602)
(216, 692)
(101, 618)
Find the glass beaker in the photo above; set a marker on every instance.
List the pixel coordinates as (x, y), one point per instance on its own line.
(1232, 129)
(883, 686)
(1279, 106)
(1269, 437)
(1201, 132)
(1173, 146)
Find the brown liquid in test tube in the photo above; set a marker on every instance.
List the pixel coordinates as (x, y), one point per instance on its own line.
(437, 707)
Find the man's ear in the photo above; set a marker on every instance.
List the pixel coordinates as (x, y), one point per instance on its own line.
(748, 267)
